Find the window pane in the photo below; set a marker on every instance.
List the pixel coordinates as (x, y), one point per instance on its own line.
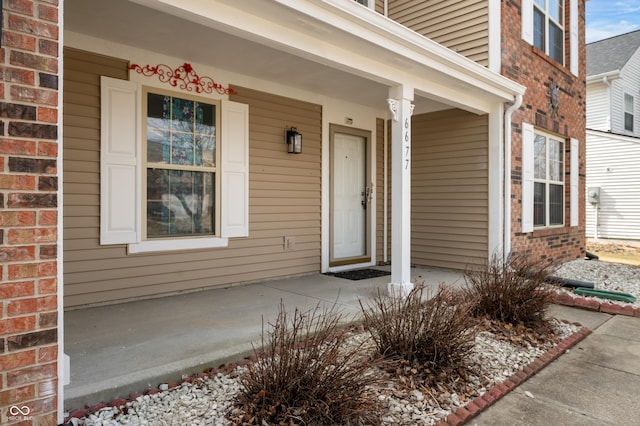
(158, 136)
(205, 151)
(205, 135)
(556, 43)
(540, 157)
(556, 202)
(555, 10)
(158, 107)
(628, 102)
(541, 4)
(628, 112)
(556, 160)
(182, 115)
(538, 204)
(179, 203)
(628, 122)
(158, 145)
(539, 30)
(183, 149)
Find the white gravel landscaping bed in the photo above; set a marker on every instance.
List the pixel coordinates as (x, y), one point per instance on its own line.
(205, 401)
(605, 276)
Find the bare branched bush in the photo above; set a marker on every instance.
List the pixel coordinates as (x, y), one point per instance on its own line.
(514, 291)
(435, 334)
(307, 374)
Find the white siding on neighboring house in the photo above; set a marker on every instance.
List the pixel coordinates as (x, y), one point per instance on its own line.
(598, 117)
(629, 82)
(617, 124)
(612, 165)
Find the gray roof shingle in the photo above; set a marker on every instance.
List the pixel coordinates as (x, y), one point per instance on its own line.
(611, 54)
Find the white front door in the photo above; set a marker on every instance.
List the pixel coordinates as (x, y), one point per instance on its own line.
(350, 199)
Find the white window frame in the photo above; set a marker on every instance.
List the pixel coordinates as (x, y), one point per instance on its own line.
(121, 166)
(371, 4)
(146, 164)
(547, 181)
(631, 113)
(528, 136)
(548, 19)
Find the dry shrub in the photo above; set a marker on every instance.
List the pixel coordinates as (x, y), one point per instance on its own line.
(308, 375)
(514, 291)
(434, 335)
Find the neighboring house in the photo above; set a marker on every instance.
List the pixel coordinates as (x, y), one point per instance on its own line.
(613, 137)
(432, 133)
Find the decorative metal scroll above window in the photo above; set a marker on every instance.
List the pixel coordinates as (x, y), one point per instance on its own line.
(184, 77)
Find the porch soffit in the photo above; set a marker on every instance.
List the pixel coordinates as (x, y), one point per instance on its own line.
(334, 47)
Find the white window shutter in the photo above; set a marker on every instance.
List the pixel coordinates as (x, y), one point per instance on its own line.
(527, 177)
(574, 46)
(574, 182)
(235, 169)
(119, 161)
(527, 21)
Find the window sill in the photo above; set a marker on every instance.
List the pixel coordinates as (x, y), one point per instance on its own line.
(550, 231)
(545, 57)
(177, 244)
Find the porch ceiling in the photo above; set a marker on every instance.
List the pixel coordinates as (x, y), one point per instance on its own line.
(169, 28)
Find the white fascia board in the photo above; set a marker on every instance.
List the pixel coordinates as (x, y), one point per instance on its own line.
(617, 136)
(412, 45)
(598, 78)
(417, 57)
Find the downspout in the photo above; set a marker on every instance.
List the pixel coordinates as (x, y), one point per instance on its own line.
(64, 362)
(386, 8)
(506, 228)
(607, 83)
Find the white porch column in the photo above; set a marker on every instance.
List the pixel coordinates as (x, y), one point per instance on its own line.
(400, 98)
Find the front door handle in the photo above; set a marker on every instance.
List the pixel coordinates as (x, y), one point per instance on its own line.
(366, 194)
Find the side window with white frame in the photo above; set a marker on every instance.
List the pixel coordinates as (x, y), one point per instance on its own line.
(548, 178)
(544, 26)
(543, 180)
(169, 163)
(628, 110)
(548, 28)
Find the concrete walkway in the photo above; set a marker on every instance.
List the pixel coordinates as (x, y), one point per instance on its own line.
(129, 347)
(596, 383)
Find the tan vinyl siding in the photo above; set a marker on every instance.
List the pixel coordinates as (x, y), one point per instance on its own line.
(379, 6)
(460, 25)
(284, 200)
(449, 209)
(379, 182)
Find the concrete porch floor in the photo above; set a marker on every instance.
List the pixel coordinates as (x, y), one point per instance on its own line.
(128, 347)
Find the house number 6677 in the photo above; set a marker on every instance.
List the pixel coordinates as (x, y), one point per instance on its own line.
(406, 140)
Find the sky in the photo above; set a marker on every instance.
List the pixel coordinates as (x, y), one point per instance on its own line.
(608, 18)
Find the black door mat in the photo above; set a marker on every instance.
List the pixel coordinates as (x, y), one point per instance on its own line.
(359, 274)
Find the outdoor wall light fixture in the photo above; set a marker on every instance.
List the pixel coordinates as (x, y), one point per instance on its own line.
(293, 140)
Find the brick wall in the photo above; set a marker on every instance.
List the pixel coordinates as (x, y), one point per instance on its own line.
(29, 212)
(532, 68)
